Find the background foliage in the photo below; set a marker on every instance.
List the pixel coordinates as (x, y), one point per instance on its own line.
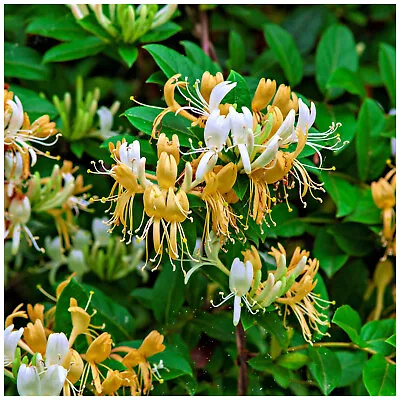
(342, 57)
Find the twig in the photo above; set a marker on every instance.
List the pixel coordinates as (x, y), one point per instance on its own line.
(206, 44)
(242, 359)
(339, 344)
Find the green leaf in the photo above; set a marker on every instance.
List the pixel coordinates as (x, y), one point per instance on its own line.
(33, 104)
(78, 148)
(74, 50)
(168, 294)
(379, 376)
(349, 320)
(142, 118)
(237, 51)
(160, 33)
(343, 193)
(241, 185)
(375, 334)
(366, 211)
(292, 360)
(218, 325)
(282, 44)
(158, 78)
(118, 321)
(273, 325)
(240, 94)
(23, 62)
(354, 239)
(171, 62)
(288, 224)
(387, 68)
(370, 75)
(348, 80)
(90, 23)
(62, 28)
(336, 49)
(261, 363)
(331, 257)
(391, 340)
(325, 368)
(351, 364)
(197, 55)
(372, 150)
(128, 53)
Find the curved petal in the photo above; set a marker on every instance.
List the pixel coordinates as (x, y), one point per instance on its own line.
(52, 381)
(219, 92)
(57, 348)
(28, 381)
(236, 310)
(245, 158)
(206, 164)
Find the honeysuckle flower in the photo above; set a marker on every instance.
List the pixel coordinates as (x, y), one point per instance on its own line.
(217, 195)
(22, 136)
(163, 15)
(240, 279)
(57, 349)
(18, 215)
(35, 337)
(243, 135)
(202, 102)
(127, 171)
(106, 117)
(98, 351)
(285, 100)
(215, 135)
(297, 295)
(112, 383)
(11, 339)
(384, 196)
(152, 344)
(14, 170)
(264, 93)
(32, 381)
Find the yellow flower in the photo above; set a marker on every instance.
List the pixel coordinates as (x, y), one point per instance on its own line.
(15, 314)
(264, 93)
(299, 297)
(112, 383)
(152, 344)
(252, 256)
(384, 196)
(217, 194)
(98, 351)
(35, 337)
(285, 100)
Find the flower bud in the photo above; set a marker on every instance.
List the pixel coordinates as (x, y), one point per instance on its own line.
(20, 210)
(263, 95)
(167, 170)
(253, 256)
(208, 82)
(35, 337)
(285, 100)
(36, 312)
(168, 146)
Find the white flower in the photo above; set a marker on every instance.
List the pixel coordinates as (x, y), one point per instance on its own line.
(106, 122)
(48, 382)
(240, 279)
(57, 349)
(218, 93)
(242, 134)
(11, 339)
(215, 134)
(306, 117)
(129, 154)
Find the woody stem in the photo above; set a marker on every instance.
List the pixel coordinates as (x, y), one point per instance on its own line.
(242, 359)
(206, 44)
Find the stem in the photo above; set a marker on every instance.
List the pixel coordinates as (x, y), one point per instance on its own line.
(339, 344)
(242, 359)
(206, 44)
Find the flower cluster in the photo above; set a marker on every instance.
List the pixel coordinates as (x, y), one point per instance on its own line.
(59, 195)
(262, 144)
(45, 362)
(124, 22)
(289, 285)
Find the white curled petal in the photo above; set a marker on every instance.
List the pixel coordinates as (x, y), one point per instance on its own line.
(106, 120)
(236, 310)
(52, 381)
(28, 381)
(11, 339)
(287, 128)
(219, 92)
(206, 164)
(17, 118)
(245, 158)
(57, 348)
